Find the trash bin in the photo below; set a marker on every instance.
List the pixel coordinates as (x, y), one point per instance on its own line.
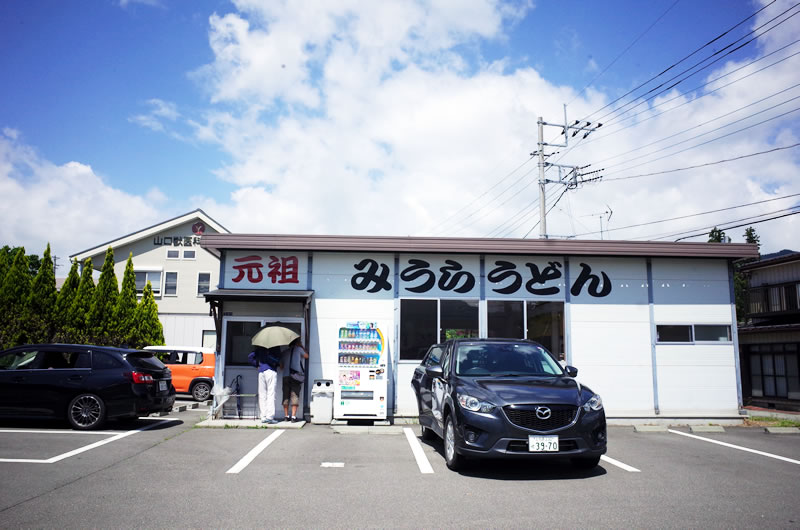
(322, 401)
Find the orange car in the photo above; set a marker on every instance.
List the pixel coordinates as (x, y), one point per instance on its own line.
(192, 368)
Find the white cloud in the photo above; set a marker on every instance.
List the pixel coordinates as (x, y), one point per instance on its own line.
(160, 112)
(368, 121)
(67, 205)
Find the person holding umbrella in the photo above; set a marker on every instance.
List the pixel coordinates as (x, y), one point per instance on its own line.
(266, 357)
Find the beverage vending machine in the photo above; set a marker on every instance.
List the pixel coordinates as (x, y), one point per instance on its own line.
(361, 389)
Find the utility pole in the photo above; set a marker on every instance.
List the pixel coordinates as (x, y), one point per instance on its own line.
(543, 164)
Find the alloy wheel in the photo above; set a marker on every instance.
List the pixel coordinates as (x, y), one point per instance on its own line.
(86, 411)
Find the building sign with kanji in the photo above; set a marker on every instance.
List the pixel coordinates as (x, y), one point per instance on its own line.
(265, 270)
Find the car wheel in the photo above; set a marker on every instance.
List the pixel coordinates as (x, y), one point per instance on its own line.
(86, 411)
(427, 432)
(201, 391)
(586, 463)
(453, 460)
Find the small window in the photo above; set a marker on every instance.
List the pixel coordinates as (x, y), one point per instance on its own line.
(712, 333)
(188, 254)
(154, 277)
(104, 361)
(203, 283)
(173, 254)
(674, 333)
(171, 284)
(434, 356)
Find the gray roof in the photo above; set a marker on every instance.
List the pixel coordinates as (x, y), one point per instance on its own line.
(451, 245)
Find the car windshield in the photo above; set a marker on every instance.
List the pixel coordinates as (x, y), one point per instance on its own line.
(504, 359)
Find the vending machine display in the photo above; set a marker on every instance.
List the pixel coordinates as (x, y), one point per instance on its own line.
(361, 389)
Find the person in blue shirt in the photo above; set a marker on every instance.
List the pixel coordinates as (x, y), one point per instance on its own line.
(267, 361)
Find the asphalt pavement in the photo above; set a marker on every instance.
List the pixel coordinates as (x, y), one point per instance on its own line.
(167, 473)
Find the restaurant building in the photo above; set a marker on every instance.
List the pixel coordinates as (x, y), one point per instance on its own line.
(650, 325)
(180, 271)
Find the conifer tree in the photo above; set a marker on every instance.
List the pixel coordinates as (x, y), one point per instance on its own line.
(100, 320)
(76, 328)
(716, 235)
(63, 303)
(14, 295)
(42, 301)
(125, 310)
(148, 330)
(3, 263)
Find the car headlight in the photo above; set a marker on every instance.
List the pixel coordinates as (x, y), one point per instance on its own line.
(474, 404)
(595, 403)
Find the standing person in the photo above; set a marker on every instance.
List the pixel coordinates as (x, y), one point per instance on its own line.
(293, 371)
(267, 362)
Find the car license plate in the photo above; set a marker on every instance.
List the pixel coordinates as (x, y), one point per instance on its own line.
(543, 444)
(162, 385)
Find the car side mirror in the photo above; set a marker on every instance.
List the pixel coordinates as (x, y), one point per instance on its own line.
(571, 371)
(434, 371)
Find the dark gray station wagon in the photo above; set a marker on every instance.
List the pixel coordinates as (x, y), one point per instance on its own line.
(84, 384)
(507, 398)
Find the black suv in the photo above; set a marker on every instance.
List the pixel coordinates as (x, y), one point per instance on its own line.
(507, 398)
(84, 384)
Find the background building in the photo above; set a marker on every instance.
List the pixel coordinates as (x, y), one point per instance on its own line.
(169, 255)
(770, 337)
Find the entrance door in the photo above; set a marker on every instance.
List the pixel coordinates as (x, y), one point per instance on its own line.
(237, 333)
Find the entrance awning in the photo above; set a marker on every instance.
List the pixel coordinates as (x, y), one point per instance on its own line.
(252, 295)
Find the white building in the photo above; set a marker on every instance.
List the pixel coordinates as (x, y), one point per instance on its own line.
(180, 271)
(650, 325)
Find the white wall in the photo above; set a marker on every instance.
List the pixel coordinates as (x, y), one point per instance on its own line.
(185, 330)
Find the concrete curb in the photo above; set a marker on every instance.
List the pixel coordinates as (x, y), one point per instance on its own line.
(363, 429)
(650, 428)
(248, 424)
(706, 428)
(782, 430)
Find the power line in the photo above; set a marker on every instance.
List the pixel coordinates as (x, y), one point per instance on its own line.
(691, 215)
(624, 51)
(689, 102)
(445, 221)
(701, 125)
(706, 142)
(721, 224)
(680, 61)
(743, 224)
(706, 59)
(606, 179)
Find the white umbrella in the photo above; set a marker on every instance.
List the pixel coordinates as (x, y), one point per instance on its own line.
(273, 336)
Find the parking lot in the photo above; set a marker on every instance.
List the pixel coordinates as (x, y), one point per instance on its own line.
(163, 472)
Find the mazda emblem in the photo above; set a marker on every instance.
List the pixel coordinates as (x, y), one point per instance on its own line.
(543, 413)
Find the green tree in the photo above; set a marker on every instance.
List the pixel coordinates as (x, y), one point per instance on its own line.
(125, 310)
(33, 260)
(76, 325)
(42, 301)
(63, 303)
(14, 294)
(750, 236)
(147, 330)
(100, 320)
(4, 263)
(716, 235)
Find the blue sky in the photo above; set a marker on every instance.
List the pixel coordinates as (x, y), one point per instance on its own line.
(359, 117)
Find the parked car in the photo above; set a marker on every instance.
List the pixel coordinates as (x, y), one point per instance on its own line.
(507, 398)
(85, 384)
(192, 368)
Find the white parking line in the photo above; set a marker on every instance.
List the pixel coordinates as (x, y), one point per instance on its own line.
(332, 464)
(61, 431)
(254, 452)
(740, 448)
(619, 464)
(419, 454)
(85, 448)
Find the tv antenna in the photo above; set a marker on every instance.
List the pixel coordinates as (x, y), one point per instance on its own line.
(607, 214)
